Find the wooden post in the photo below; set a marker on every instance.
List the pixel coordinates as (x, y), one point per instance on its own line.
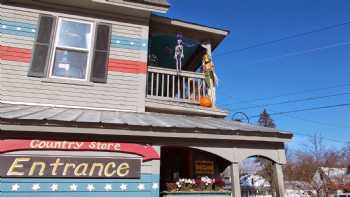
(278, 179)
(235, 184)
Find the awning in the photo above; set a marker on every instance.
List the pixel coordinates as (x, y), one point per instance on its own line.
(103, 122)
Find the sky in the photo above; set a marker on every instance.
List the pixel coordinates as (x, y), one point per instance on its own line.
(313, 65)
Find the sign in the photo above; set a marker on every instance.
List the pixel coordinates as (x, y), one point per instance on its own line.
(68, 167)
(146, 151)
(204, 167)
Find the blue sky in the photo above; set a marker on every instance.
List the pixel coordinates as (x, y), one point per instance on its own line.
(314, 61)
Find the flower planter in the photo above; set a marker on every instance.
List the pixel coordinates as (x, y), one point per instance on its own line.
(197, 194)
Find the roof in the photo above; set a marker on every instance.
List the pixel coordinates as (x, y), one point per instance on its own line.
(334, 172)
(298, 185)
(11, 113)
(163, 3)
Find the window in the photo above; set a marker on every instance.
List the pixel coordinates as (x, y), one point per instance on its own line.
(72, 49)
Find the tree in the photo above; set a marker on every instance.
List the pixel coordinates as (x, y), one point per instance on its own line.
(265, 120)
(266, 165)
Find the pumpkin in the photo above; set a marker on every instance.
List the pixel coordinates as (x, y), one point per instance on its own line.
(205, 101)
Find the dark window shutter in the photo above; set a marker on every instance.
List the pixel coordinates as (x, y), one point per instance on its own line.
(41, 48)
(99, 69)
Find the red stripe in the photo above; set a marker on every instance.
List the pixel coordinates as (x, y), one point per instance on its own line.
(15, 54)
(127, 66)
(24, 55)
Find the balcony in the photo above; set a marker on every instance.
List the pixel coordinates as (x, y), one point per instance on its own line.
(170, 91)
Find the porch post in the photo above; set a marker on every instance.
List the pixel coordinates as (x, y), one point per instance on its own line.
(235, 184)
(278, 179)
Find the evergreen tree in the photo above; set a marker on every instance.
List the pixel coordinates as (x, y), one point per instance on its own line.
(265, 120)
(266, 165)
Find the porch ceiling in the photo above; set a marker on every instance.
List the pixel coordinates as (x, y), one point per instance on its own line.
(214, 128)
(194, 31)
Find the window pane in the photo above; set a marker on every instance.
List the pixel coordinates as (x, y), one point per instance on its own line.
(74, 34)
(71, 64)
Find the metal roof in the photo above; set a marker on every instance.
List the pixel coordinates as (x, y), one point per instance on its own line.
(20, 112)
(163, 3)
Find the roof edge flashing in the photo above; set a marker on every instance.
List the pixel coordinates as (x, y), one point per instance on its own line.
(135, 5)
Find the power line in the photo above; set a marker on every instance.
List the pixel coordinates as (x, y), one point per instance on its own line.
(291, 93)
(318, 122)
(307, 109)
(325, 138)
(295, 101)
(312, 50)
(284, 38)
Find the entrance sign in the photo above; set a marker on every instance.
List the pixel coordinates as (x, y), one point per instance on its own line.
(146, 151)
(68, 167)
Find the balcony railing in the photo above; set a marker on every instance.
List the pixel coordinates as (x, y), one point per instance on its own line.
(168, 84)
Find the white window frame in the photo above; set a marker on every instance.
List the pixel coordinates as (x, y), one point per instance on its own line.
(89, 49)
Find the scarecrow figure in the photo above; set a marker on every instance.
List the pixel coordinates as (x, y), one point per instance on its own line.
(210, 77)
(179, 53)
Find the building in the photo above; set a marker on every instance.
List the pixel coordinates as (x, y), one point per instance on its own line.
(299, 189)
(255, 185)
(332, 181)
(91, 103)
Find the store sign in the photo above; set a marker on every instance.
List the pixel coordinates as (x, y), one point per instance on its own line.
(204, 167)
(68, 167)
(147, 152)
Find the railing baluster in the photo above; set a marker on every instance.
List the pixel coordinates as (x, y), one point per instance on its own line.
(173, 77)
(204, 88)
(163, 86)
(188, 88)
(178, 86)
(183, 88)
(157, 87)
(152, 79)
(199, 88)
(167, 85)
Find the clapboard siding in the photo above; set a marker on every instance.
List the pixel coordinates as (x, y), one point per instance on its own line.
(124, 90)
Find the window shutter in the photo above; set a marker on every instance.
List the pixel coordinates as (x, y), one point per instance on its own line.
(41, 48)
(99, 69)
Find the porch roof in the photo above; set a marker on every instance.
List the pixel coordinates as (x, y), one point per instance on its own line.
(45, 115)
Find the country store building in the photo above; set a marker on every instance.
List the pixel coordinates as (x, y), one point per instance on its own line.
(105, 98)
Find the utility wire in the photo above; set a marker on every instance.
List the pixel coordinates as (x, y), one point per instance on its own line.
(295, 101)
(290, 93)
(284, 38)
(317, 122)
(307, 109)
(325, 138)
(296, 53)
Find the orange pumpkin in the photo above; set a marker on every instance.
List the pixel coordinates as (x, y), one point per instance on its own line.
(205, 101)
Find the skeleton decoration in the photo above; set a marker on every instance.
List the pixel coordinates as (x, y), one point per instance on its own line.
(210, 77)
(179, 52)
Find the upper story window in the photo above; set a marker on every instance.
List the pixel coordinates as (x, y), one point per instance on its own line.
(72, 49)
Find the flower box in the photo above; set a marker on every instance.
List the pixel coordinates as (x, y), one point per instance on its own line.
(197, 194)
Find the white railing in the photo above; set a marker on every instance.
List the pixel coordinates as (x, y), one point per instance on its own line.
(168, 84)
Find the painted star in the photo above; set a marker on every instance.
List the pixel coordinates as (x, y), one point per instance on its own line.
(73, 187)
(54, 187)
(15, 187)
(124, 187)
(132, 43)
(155, 186)
(141, 186)
(18, 28)
(108, 187)
(36, 187)
(90, 187)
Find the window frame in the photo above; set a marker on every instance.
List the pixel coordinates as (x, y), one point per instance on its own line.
(89, 50)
